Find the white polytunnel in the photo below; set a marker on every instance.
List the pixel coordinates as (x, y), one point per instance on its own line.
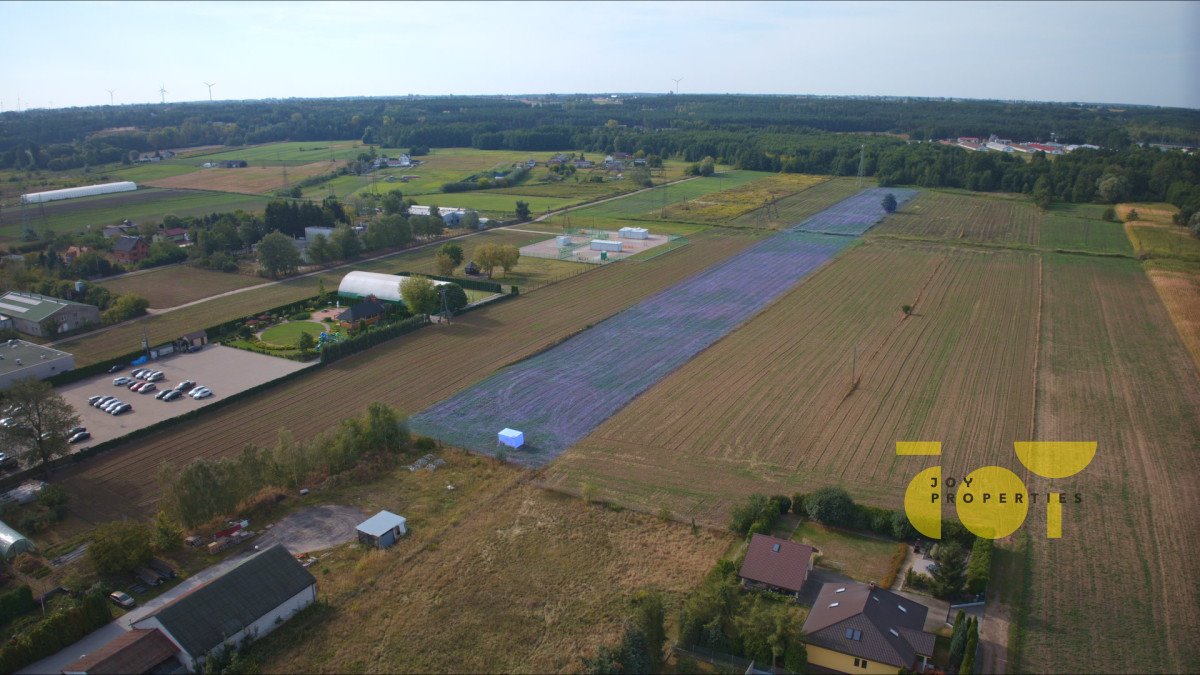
(82, 191)
(385, 287)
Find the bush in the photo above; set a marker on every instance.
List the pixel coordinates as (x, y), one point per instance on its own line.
(62, 628)
(979, 569)
(299, 316)
(798, 504)
(756, 516)
(894, 565)
(425, 444)
(119, 546)
(830, 506)
(16, 602)
(785, 503)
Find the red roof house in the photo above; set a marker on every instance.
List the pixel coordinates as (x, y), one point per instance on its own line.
(135, 651)
(776, 564)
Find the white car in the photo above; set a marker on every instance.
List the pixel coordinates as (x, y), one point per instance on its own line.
(202, 392)
(121, 381)
(156, 376)
(108, 407)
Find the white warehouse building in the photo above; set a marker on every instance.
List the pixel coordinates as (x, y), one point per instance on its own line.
(385, 287)
(72, 193)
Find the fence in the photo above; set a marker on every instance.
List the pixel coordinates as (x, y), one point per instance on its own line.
(724, 662)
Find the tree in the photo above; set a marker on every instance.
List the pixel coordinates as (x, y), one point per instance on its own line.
(305, 342)
(456, 297)
(522, 210)
(454, 250)
(124, 307)
(968, 661)
(1132, 216)
(907, 309)
(393, 203)
(470, 220)
(42, 420)
(118, 547)
(346, 242)
(168, 535)
(444, 264)
(830, 506)
(1193, 224)
(420, 295)
(958, 638)
(889, 203)
(949, 576)
(649, 616)
(320, 251)
(491, 256)
(708, 166)
(1041, 193)
(278, 255)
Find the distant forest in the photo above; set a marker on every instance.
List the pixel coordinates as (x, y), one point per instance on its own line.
(769, 133)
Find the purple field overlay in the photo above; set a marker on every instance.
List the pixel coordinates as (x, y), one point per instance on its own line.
(561, 395)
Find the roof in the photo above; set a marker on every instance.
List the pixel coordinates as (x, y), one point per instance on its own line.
(33, 306)
(127, 243)
(363, 310)
(223, 607)
(175, 231)
(382, 286)
(776, 562)
(27, 353)
(135, 651)
(869, 623)
(12, 542)
(379, 524)
(194, 335)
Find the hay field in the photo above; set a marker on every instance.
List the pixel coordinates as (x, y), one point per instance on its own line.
(178, 284)
(650, 204)
(719, 207)
(291, 153)
(1179, 291)
(410, 373)
(548, 579)
(253, 180)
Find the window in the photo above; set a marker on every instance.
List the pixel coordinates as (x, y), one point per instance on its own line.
(775, 548)
(840, 590)
(903, 608)
(853, 634)
(893, 632)
(864, 663)
(834, 604)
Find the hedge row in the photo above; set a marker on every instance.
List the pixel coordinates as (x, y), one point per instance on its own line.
(473, 284)
(979, 570)
(894, 565)
(16, 603)
(333, 352)
(61, 629)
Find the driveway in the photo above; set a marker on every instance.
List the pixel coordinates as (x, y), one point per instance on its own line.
(315, 528)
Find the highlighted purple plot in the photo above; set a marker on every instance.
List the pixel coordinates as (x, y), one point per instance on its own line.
(561, 395)
(854, 215)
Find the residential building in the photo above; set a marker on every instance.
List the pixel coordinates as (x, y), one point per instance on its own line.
(114, 231)
(382, 530)
(776, 564)
(176, 235)
(21, 360)
(28, 311)
(132, 653)
(74, 252)
(130, 250)
(858, 628)
(250, 600)
(369, 310)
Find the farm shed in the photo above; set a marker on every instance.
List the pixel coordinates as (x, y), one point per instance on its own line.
(511, 437)
(605, 245)
(634, 233)
(136, 651)
(385, 287)
(71, 193)
(20, 360)
(382, 529)
(776, 564)
(12, 543)
(29, 310)
(252, 599)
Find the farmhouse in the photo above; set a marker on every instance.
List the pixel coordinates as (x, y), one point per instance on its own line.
(176, 235)
(114, 231)
(134, 652)
(251, 599)
(20, 360)
(385, 287)
(776, 564)
(130, 250)
(382, 530)
(29, 311)
(856, 628)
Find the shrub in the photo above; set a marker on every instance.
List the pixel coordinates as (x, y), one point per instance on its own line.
(299, 316)
(16, 602)
(785, 503)
(798, 504)
(119, 546)
(61, 629)
(979, 569)
(830, 506)
(756, 516)
(894, 565)
(425, 444)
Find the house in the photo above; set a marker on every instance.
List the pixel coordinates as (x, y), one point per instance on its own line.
(381, 530)
(622, 156)
(21, 360)
(134, 652)
(130, 250)
(28, 311)
(176, 235)
(858, 628)
(250, 600)
(113, 231)
(583, 163)
(369, 310)
(776, 564)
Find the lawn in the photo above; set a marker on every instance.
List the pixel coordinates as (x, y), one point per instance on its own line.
(857, 556)
(178, 284)
(288, 334)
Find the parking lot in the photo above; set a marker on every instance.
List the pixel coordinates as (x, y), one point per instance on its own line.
(224, 370)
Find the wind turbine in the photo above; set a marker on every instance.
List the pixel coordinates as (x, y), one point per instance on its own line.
(110, 95)
(210, 86)
(162, 91)
(677, 81)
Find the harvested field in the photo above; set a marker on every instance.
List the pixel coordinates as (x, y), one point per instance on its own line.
(126, 337)
(291, 153)
(559, 396)
(436, 362)
(1163, 241)
(1159, 213)
(1180, 294)
(1118, 591)
(550, 581)
(952, 217)
(175, 285)
(720, 207)
(791, 210)
(252, 180)
(784, 418)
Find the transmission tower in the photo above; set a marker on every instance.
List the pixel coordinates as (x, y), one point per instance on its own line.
(862, 163)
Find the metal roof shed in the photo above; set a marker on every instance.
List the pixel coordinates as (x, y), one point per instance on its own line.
(12, 543)
(382, 529)
(511, 437)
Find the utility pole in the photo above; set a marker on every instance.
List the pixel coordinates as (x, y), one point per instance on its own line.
(445, 304)
(853, 366)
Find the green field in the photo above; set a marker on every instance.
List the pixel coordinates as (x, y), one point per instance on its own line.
(178, 284)
(440, 166)
(154, 170)
(1164, 241)
(491, 204)
(647, 204)
(288, 153)
(1078, 227)
(288, 334)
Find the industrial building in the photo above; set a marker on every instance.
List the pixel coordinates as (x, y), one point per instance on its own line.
(21, 360)
(29, 310)
(72, 193)
(385, 287)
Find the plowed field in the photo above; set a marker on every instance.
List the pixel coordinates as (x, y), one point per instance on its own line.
(252, 180)
(947, 216)
(409, 373)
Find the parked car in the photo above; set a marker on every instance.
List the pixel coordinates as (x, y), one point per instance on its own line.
(201, 393)
(156, 376)
(80, 437)
(172, 394)
(146, 388)
(75, 430)
(163, 394)
(92, 400)
(186, 385)
(108, 407)
(116, 369)
(122, 599)
(137, 374)
(98, 403)
(122, 409)
(121, 381)
(8, 422)
(7, 462)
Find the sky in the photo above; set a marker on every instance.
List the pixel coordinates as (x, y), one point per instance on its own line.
(69, 54)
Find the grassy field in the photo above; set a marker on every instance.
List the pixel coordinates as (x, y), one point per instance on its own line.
(1159, 213)
(178, 284)
(140, 173)
(1076, 227)
(726, 205)
(649, 204)
(288, 334)
(437, 362)
(791, 210)
(289, 153)
(1163, 241)
(440, 166)
(857, 556)
(550, 577)
(253, 180)
(143, 205)
(492, 204)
